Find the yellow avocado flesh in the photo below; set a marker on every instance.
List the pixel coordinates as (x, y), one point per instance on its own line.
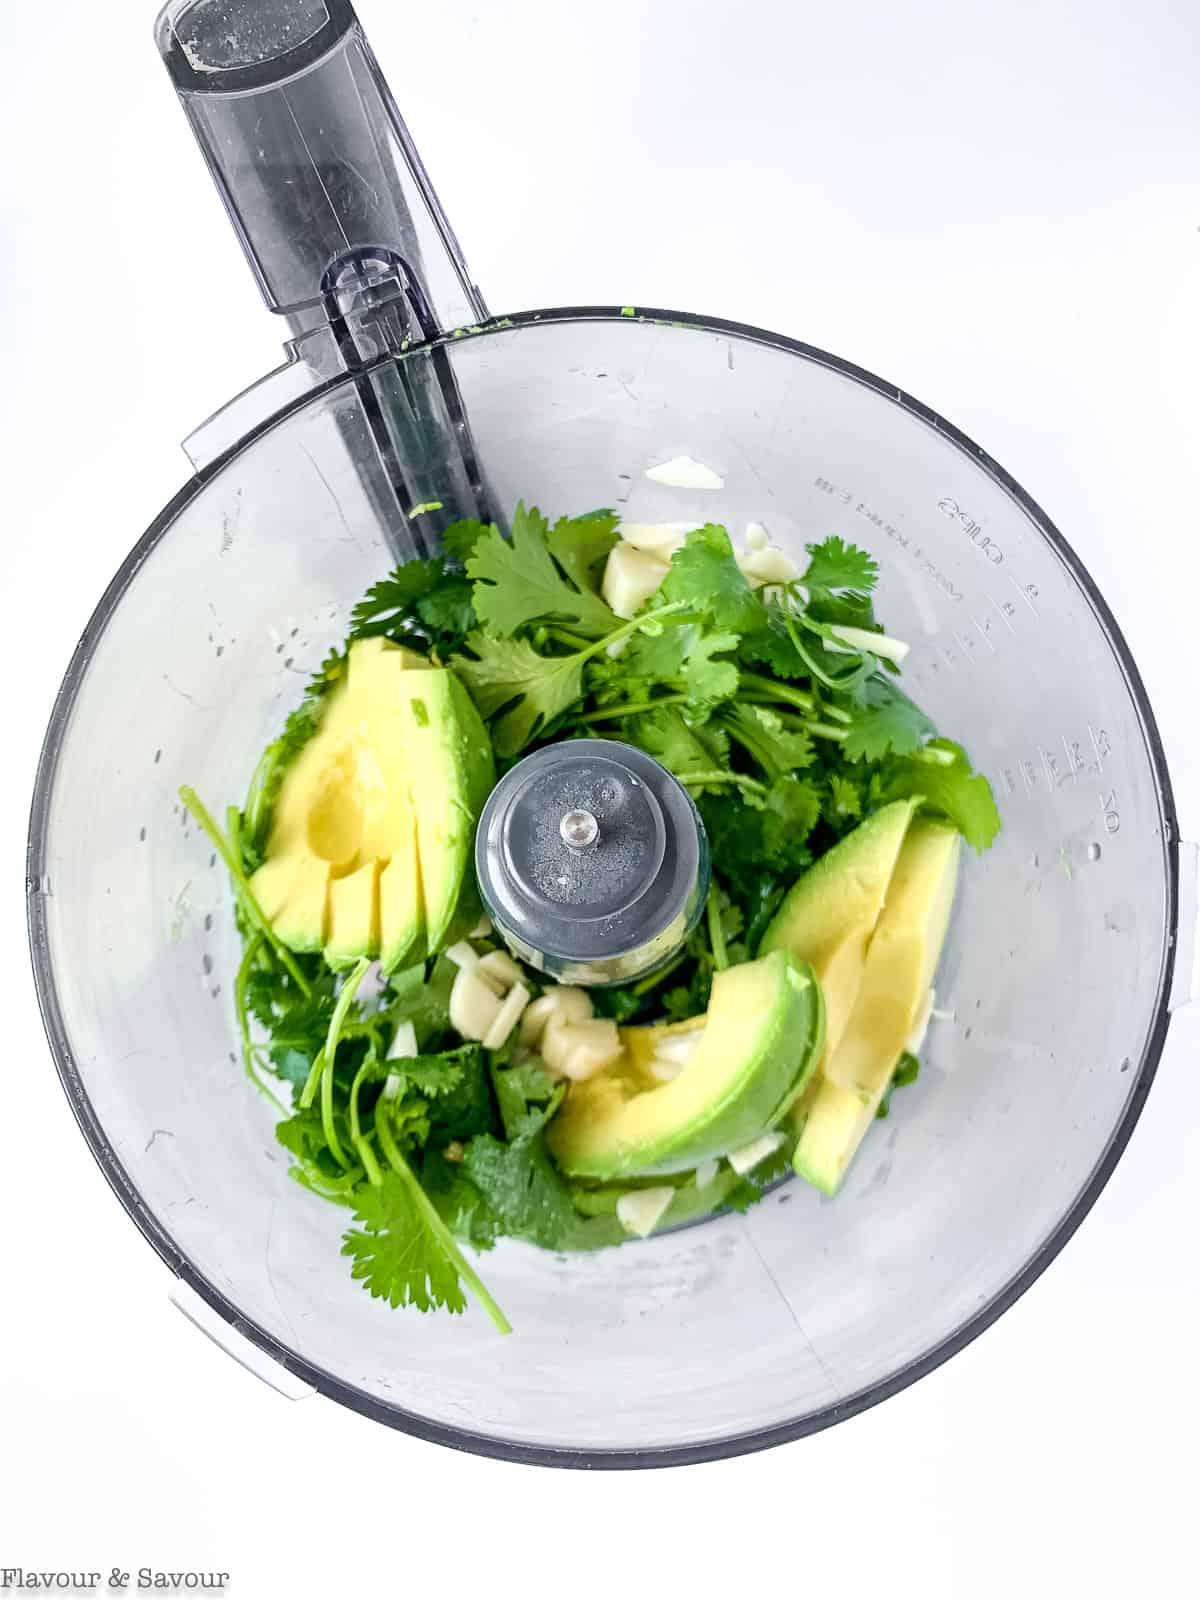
(343, 861)
(761, 1039)
(901, 960)
(830, 914)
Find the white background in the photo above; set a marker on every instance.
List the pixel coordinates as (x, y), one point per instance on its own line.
(994, 205)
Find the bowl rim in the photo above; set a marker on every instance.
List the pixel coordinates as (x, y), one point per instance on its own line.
(413, 1423)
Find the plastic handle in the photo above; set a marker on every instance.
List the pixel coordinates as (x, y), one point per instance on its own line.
(1185, 985)
(311, 156)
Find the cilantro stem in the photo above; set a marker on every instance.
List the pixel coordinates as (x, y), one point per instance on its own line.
(716, 933)
(778, 691)
(576, 641)
(251, 909)
(652, 982)
(434, 1223)
(633, 708)
(367, 1156)
(837, 713)
(863, 667)
(322, 1067)
(822, 730)
(635, 626)
(699, 779)
(249, 957)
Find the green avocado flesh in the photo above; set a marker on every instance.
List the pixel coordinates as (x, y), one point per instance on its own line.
(900, 963)
(830, 914)
(371, 834)
(761, 1040)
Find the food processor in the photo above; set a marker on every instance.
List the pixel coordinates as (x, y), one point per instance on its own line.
(403, 405)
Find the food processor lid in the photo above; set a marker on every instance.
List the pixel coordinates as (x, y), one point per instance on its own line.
(592, 860)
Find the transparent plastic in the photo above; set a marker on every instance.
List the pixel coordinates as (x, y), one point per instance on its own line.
(1054, 987)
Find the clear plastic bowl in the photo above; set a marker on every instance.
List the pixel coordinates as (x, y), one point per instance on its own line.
(743, 1331)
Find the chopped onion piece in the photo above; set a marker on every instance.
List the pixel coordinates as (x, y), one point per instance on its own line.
(750, 1155)
(641, 1210)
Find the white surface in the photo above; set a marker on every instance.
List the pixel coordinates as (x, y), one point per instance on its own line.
(995, 206)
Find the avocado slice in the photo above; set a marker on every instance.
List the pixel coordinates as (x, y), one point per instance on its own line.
(900, 963)
(830, 914)
(379, 804)
(450, 771)
(761, 1040)
(353, 930)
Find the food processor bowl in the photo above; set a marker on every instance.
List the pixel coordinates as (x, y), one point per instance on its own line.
(1053, 994)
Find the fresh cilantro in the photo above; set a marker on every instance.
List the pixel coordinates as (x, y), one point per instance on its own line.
(680, 748)
(907, 1070)
(581, 545)
(941, 774)
(522, 690)
(387, 606)
(834, 564)
(706, 680)
(523, 1188)
(705, 575)
(886, 723)
(762, 734)
(460, 539)
(747, 840)
(845, 797)
(527, 1096)
(396, 1254)
(517, 581)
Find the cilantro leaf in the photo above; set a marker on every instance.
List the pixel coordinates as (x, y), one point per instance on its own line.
(748, 840)
(448, 611)
(680, 748)
(517, 582)
(707, 681)
(396, 1254)
(763, 735)
(508, 680)
(941, 774)
(705, 574)
(888, 723)
(845, 797)
(527, 1096)
(580, 545)
(524, 1189)
(457, 1201)
(834, 564)
(460, 538)
(392, 600)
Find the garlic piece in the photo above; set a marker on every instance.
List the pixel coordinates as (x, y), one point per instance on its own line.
(767, 566)
(631, 576)
(660, 539)
(474, 1007)
(463, 955)
(515, 1001)
(878, 644)
(751, 1155)
(499, 971)
(682, 472)
(404, 1044)
(641, 1210)
(578, 1049)
(572, 1005)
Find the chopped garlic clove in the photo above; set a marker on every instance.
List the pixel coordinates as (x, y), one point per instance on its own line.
(682, 472)
(660, 539)
(572, 1005)
(404, 1044)
(750, 1155)
(515, 1001)
(499, 970)
(482, 929)
(630, 577)
(768, 566)
(679, 1047)
(473, 1006)
(463, 955)
(756, 536)
(641, 1210)
(662, 1070)
(578, 1049)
